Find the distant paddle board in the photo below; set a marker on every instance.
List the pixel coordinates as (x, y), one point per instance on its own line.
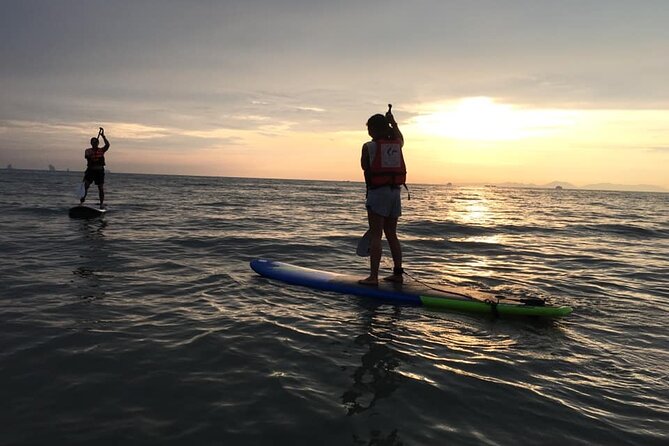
(409, 292)
(86, 212)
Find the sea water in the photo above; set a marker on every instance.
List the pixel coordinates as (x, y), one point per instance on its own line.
(149, 327)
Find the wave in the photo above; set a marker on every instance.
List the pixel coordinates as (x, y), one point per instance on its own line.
(628, 230)
(427, 228)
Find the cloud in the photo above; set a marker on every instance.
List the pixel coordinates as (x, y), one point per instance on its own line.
(158, 51)
(171, 76)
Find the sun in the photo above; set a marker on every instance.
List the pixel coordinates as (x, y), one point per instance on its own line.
(482, 119)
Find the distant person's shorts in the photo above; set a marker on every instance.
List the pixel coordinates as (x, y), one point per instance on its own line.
(96, 176)
(385, 201)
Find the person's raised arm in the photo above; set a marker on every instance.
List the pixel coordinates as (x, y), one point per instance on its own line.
(104, 138)
(393, 124)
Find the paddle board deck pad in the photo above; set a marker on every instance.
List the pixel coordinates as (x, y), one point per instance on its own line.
(83, 211)
(410, 292)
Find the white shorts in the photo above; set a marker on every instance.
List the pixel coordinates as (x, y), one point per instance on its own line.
(385, 201)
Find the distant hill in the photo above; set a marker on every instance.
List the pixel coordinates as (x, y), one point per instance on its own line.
(626, 187)
(551, 185)
(562, 184)
(597, 186)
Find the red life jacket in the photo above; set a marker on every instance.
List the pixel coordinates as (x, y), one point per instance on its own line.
(95, 157)
(386, 167)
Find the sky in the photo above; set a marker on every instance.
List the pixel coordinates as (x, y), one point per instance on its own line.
(485, 91)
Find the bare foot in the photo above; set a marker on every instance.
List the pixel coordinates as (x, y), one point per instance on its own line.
(396, 278)
(372, 281)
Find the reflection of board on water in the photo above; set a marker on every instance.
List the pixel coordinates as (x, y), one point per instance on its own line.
(410, 292)
(83, 211)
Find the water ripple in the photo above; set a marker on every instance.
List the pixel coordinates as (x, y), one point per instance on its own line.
(149, 327)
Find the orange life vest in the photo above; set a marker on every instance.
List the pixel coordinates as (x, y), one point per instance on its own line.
(95, 157)
(386, 165)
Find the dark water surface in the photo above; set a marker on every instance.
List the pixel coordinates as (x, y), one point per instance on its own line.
(148, 327)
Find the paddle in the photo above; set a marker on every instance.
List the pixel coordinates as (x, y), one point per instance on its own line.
(81, 188)
(363, 245)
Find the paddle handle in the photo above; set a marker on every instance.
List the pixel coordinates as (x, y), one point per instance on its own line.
(389, 116)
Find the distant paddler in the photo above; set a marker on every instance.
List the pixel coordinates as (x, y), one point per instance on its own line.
(95, 170)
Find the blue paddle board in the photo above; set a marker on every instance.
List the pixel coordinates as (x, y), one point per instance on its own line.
(410, 292)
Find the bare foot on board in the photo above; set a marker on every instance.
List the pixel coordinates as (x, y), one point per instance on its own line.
(395, 278)
(372, 281)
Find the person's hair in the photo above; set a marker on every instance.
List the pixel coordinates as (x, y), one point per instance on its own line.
(379, 128)
(95, 141)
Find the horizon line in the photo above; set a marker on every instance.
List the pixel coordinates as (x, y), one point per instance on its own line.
(552, 185)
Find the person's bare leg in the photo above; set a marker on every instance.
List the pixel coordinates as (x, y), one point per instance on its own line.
(390, 229)
(87, 184)
(375, 234)
(101, 191)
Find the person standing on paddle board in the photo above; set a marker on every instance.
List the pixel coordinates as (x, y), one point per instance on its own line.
(95, 170)
(385, 172)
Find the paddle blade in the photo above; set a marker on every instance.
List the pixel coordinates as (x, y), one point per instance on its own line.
(363, 245)
(81, 190)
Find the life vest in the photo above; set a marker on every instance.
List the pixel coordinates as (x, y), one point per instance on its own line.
(386, 164)
(95, 157)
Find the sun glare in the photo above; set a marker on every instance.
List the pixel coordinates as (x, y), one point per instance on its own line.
(480, 118)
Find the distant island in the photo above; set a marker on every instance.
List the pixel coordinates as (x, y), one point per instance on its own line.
(560, 185)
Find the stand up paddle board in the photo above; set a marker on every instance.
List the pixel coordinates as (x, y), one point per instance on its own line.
(83, 211)
(410, 292)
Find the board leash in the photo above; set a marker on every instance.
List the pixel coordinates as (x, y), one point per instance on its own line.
(534, 301)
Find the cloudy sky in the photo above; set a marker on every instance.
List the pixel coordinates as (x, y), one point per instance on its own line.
(484, 90)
